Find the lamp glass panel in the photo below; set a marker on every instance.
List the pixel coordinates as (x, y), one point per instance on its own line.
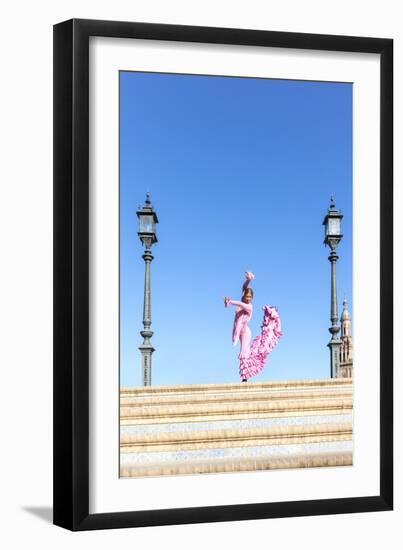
(147, 223)
(333, 226)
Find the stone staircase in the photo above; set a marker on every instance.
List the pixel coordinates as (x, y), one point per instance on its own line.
(202, 428)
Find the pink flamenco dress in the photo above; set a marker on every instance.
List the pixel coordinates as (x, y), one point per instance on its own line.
(253, 355)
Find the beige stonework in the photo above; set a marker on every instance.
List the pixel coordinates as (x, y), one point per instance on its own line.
(182, 399)
(160, 404)
(220, 411)
(286, 409)
(238, 386)
(211, 439)
(239, 465)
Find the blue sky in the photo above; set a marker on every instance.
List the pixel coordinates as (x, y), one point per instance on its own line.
(240, 171)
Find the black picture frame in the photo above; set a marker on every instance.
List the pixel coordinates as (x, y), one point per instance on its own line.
(71, 274)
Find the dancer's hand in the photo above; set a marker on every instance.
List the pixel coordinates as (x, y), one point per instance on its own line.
(226, 301)
(249, 275)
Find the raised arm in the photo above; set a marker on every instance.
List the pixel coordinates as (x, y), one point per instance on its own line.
(246, 307)
(248, 278)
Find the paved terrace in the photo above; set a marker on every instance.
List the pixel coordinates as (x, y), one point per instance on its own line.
(206, 428)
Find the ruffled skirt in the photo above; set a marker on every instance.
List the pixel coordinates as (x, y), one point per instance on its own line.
(252, 362)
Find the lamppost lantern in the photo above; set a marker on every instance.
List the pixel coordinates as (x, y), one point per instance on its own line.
(332, 223)
(333, 236)
(148, 236)
(147, 224)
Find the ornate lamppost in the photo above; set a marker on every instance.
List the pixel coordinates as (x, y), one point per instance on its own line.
(333, 236)
(148, 236)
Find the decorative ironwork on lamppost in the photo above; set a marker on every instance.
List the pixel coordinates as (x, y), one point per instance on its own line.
(148, 236)
(333, 236)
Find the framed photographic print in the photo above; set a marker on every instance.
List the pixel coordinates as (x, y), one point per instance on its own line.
(223, 318)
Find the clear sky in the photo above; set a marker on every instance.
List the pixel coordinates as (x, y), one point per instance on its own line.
(240, 171)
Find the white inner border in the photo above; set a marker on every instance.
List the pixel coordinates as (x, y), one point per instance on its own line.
(108, 493)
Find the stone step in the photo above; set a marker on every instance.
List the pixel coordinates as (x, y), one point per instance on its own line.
(208, 439)
(242, 409)
(243, 464)
(205, 389)
(190, 399)
(202, 428)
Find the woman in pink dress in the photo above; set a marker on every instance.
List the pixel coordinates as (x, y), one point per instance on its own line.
(252, 356)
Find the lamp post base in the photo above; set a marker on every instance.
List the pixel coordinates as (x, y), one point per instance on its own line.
(334, 346)
(146, 349)
(146, 355)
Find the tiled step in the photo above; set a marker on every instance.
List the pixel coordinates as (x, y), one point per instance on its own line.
(252, 450)
(233, 424)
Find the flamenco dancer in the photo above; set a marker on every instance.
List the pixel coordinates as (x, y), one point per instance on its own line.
(252, 356)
